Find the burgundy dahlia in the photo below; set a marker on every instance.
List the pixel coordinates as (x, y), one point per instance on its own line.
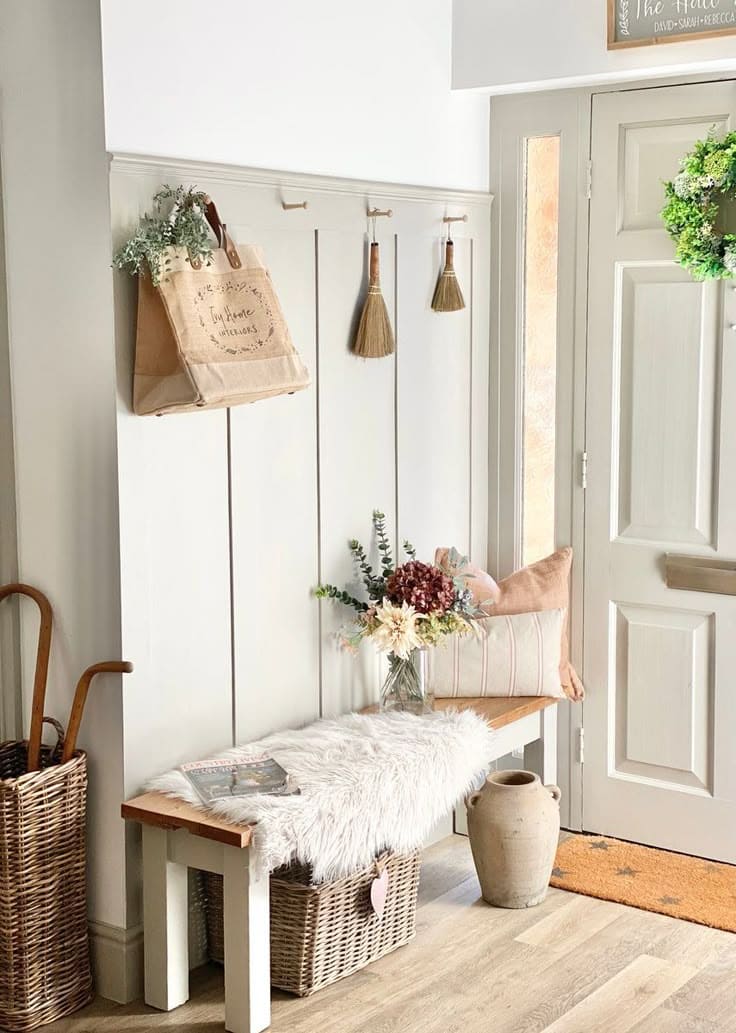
(422, 586)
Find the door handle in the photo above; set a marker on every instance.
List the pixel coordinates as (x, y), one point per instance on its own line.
(700, 574)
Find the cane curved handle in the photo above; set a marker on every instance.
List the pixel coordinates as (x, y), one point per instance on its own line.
(42, 666)
(80, 698)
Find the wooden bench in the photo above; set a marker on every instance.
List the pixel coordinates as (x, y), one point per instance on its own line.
(177, 836)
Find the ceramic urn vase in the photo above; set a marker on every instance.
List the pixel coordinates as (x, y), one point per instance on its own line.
(514, 825)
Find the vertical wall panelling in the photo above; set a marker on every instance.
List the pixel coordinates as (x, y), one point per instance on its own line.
(174, 557)
(274, 512)
(176, 589)
(481, 431)
(274, 503)
(435, 408)
(434, 400)
(231, 568)
(357, 442)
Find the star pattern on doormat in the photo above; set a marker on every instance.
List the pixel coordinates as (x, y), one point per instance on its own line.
(692, 888)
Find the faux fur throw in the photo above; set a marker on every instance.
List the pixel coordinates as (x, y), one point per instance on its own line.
(368, 783)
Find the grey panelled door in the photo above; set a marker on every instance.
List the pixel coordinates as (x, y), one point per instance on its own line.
(660, 662)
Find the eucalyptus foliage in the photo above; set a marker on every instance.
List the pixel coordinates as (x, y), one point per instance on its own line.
(375, 583)
(177, 220)
(409, 606)
(706, 179)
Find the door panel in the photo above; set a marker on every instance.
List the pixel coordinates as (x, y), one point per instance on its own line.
(666, 354)
(647, 148)
(664, 682)
(661, 704)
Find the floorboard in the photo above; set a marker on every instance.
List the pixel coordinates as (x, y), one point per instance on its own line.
(571, 965)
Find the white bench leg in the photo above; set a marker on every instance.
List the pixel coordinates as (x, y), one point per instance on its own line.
(247, 944)
(541, 755)
(165, 923)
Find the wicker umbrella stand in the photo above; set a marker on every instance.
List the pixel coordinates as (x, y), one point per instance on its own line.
(44, 947)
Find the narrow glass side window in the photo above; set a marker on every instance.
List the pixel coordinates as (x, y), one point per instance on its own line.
(539, 369)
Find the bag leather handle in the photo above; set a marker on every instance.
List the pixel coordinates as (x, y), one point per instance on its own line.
(220, 231)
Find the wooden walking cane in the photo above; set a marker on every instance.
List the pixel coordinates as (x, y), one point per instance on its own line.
(42, 667)
(80, 698)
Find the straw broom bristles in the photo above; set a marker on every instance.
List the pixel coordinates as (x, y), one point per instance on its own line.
(374, 338)
(447, 294)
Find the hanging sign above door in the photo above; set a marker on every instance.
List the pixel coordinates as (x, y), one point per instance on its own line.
(639, 23)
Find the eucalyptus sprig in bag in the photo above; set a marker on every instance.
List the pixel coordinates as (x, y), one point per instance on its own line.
(210, 331)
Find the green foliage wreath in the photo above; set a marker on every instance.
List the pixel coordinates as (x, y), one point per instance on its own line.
(707, 177)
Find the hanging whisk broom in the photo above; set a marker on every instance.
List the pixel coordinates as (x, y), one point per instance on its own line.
(374, 338)
(447, 294)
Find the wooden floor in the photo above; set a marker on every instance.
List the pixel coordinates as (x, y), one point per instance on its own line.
(571, 965)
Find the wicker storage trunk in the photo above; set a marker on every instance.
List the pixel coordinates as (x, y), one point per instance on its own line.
(320, 934)
(44, 949)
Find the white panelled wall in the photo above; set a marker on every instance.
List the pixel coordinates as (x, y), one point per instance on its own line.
(263, 499)
(230, 518)
(190, 544)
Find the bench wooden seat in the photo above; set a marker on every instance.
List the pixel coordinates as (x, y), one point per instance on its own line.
(498, 711)
(163, 812)
(521, 722)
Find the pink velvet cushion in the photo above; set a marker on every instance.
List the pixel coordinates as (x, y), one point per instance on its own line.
(484, 588)
(544, 585)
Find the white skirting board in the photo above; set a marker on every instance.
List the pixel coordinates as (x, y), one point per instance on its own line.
(117, 954)
(117, 961)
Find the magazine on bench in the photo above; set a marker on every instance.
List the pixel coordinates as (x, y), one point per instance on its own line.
(219, 779)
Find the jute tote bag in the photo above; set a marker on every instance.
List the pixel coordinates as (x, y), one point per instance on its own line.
(212, 335)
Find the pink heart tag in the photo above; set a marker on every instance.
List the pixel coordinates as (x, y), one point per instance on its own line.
(379, 892)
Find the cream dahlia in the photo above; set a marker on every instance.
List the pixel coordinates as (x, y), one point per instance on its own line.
(396, 629)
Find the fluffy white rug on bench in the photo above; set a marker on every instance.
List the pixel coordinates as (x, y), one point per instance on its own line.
(368, 783)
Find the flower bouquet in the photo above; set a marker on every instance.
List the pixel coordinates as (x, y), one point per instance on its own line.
(409, 608)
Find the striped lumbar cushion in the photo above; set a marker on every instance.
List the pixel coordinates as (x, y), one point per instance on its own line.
(515, 655)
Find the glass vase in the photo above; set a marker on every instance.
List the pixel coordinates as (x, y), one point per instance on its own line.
(407, 684)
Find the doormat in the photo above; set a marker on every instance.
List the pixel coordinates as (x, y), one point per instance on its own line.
(654, 880)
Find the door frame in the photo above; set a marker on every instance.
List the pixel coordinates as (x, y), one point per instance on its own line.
(514, 117)
(513, 120)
